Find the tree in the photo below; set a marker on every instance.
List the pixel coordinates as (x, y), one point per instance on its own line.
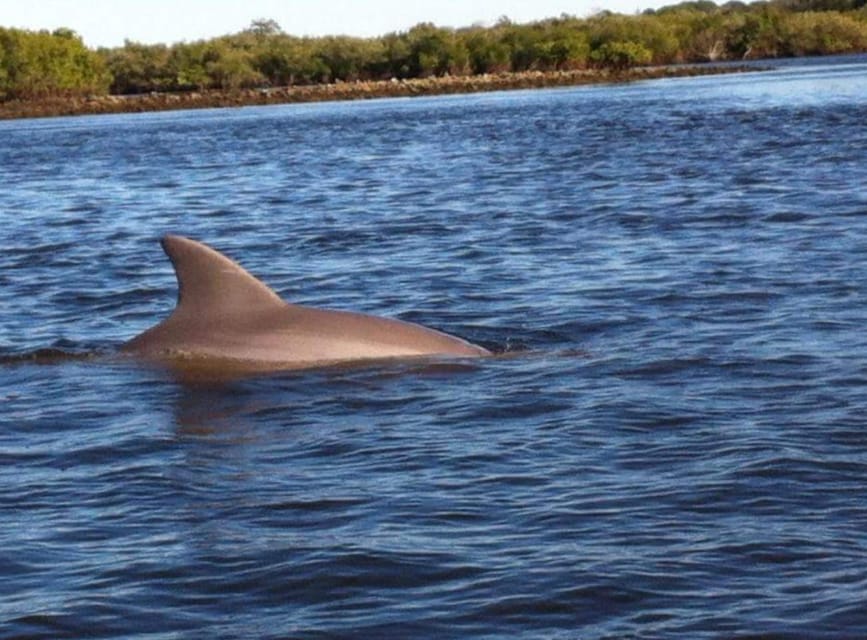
(621, 55)
(486, 52)
(396, 54)
(657, 34)
(522, 43)
(140, 68)
(813, 33)
(39, 64)
(755, 34)
(562, 46)
(347, 59)
(187, 65)
(702, 6)
(435, 51)
(287, 61)
(231, 69)
(265, 28)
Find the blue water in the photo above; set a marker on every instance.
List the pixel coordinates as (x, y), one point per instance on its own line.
(671, 442)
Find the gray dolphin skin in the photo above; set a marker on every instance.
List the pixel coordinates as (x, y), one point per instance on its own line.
(225, 313)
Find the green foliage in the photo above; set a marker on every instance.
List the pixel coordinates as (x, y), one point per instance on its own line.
(186, 67)
(347, 59)
(819, 5)
(287, 61)
(138, 68)
(434, 51)
(658, 35)
(701, 6)
(231, 68)
(264, 28)
(43, 64)
(822, 33)
(620, 55)
(396, 57)
(521, 42)
(563, 46)
(487, 52)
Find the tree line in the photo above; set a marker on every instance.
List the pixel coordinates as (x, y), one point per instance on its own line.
(42, 64)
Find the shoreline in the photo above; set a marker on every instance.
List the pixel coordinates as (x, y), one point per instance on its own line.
(343, 91)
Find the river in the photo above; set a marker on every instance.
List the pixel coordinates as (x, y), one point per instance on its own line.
(669, 442)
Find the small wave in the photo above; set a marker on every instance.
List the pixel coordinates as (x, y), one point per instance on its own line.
(788, 217)
(47, 355)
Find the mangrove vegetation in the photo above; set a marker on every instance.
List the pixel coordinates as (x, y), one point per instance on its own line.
(39, 65)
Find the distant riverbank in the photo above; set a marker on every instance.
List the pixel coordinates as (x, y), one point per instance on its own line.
(346, 91)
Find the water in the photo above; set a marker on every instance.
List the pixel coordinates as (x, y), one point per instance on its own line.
(672, 444)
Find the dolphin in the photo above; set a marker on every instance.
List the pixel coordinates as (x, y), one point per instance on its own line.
(224, 313)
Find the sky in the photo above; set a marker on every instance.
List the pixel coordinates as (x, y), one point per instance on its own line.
(107, 23)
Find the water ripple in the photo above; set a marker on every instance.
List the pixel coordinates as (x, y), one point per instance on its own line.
(668, 443)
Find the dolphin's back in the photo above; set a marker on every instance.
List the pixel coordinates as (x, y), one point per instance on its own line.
(224, 312)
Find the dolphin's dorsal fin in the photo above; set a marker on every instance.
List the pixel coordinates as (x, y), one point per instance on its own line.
(210, 285)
